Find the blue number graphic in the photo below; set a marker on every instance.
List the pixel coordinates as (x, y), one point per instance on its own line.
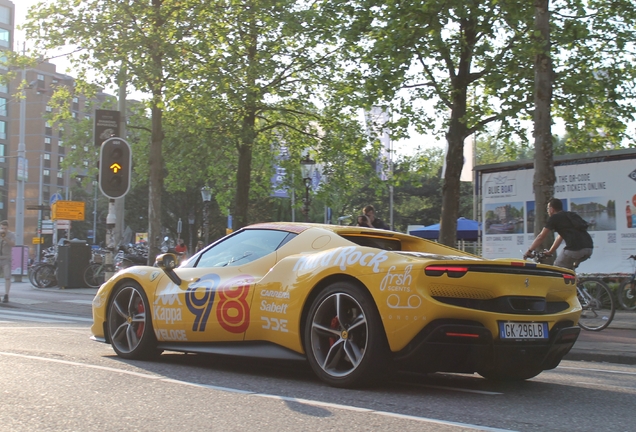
(202, 306)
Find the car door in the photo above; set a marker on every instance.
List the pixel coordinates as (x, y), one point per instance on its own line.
(213, 301)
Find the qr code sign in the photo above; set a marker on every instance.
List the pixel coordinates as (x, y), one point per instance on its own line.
(611, 237)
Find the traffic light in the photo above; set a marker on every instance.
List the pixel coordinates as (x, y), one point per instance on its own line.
(115, 163)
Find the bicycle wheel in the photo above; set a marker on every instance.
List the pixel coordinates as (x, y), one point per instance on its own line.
(31, 273)
(597, 303)
(94, 275)
(627, 294)
(44, 276)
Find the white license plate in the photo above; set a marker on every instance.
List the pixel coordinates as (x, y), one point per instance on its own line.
(523, 330)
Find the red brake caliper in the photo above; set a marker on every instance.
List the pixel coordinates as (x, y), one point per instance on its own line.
(334, 325)
(140, 329)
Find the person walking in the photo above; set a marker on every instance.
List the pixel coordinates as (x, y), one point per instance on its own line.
(572, 229)
(7, 241)
(369, 211)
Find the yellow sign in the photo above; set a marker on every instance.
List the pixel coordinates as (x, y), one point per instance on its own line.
(37, 240)
(141, 238)
(69, 210)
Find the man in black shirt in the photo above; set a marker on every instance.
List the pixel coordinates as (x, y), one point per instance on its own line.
(578, 242)
(369, 211)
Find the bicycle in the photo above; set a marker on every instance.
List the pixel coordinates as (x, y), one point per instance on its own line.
(627, 290)
(595, 297)
(94, 275)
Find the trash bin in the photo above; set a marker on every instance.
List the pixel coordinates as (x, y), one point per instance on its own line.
(72, 261)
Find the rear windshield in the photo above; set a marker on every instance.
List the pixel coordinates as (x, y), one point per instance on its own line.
(388, 244)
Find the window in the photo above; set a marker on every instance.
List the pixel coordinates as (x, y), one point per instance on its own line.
(60, 174)
(3, 106)
(3, 130)
(3, 62)
(5, 38)
(46, 174)
(48, 130)
(1, 176)
(60, 178)
(2, 152)
(4, 88)
(243, 247)
(47, 156)
(5, 15)
(47, 140)
(49, 109)
(60, 159)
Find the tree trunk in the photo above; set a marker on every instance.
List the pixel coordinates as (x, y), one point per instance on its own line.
(155, 186)
(544, 176)
(457, 133)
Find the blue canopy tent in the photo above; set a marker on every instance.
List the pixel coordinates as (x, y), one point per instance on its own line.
(467, 229)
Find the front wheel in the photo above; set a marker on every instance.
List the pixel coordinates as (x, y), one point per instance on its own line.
(94, 275)
(44, 276)
(627, 294)
(129, 325)
(597, 303)
(344, 338)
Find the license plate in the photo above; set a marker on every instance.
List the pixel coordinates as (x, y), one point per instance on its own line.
(523, 330)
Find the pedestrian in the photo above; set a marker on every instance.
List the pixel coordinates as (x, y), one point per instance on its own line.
(7, 241)
(199, 246)
(369, 211)
(363, 221)
(572, 229)
(181, 250)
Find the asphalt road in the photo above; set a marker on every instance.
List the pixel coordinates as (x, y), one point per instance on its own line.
(52, 377)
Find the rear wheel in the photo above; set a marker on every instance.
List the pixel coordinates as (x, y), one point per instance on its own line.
(597, 303)
(627, 294)
(94, 275)
(344, 338)
(44, 276)
(129, 325)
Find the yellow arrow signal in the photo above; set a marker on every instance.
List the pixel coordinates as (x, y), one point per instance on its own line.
(115, 167)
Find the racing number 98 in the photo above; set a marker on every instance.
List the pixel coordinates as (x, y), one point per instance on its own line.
(232, 310)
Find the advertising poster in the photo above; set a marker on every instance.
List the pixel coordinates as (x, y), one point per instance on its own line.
(602, 193)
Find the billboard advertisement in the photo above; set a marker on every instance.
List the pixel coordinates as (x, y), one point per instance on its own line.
(603, 193)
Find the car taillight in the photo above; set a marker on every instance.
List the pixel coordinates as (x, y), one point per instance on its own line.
(569, 279)
(451, 271)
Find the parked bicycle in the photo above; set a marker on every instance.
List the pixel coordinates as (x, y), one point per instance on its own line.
(595, 298)
(94, 275)
(627, 289)
(43, 274)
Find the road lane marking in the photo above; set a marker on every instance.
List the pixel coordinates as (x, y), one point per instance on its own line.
(265, 395)
(598, 370)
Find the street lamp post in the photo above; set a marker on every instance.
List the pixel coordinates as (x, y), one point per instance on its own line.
(206, 195)
(307, 167)
(191, 222)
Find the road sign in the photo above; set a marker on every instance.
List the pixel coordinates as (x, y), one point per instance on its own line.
(106, 125)
(55, 197)
(63, 224)
(69, 210)
(38, 240)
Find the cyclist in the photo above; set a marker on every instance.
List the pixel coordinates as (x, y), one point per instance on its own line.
(571, 228)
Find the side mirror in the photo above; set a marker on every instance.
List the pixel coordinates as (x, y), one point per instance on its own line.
(168, 262)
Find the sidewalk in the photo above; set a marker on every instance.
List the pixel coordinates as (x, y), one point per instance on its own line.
(615, 344)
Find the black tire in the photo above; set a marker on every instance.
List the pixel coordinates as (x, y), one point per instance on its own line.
(627, 294)
(597, 303)
(129, 324)
(45, 276)
(94, 275)
(520, 374)
(31, 274)
(344, 338)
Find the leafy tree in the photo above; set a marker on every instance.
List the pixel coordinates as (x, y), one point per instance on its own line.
(144, 39)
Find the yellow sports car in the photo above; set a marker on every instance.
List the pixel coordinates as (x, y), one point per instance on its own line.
(355, 302)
